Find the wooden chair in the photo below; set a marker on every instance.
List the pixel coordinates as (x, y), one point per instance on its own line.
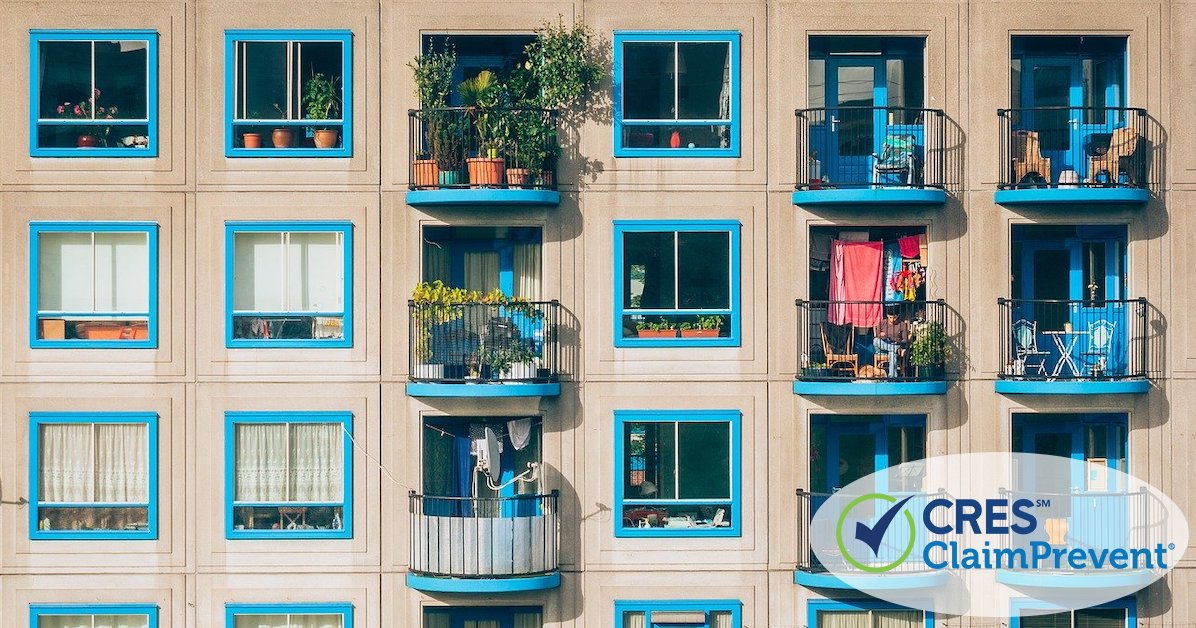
(1122, 145)
(837, 344)
(1028, 159)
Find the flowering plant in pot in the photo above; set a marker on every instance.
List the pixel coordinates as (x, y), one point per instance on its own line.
(321, 98)
(88, 110)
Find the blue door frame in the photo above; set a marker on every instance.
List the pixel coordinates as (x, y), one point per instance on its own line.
(504, 615)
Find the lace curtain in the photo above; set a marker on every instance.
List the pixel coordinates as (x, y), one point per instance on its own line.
(288, 621)
(102, 463)
(289, 462)
(101, 621)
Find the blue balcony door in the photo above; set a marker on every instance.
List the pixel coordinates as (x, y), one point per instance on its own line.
(855, 133)
(484, 617)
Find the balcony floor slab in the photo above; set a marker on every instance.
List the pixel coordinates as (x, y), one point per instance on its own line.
(869, 387)
(1076, 195)
(433, 389)
(513, 584)
(872, 582)
(1062, 580)
(870, 196)
(1134, 386)
(482, 196)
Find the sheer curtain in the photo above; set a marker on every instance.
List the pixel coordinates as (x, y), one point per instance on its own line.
(438, 263)
(842, 619)
(436, 620)
(528, 620)
(318, 468)
(261, 464)
(122, 463)
(85, 621)
(481, 270)
(896, 619)
(280, 462)
(633, 619)
(315, 621)
(67, 470)
(528, 271)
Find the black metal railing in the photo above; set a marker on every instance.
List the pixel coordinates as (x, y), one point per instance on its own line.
(473, 342)
(1079, 339)
(1087, 519)
(854, 147)
(838, 341)
(483, 537)
(1072, 147)
(808, 504)
(474, 147)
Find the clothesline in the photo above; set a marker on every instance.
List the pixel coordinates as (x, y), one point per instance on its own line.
(497, 433)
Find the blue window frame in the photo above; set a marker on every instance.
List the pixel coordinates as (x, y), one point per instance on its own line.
(93, 475)
(677, 473)
(288, 284)
(288, 475)
(1121, 613)
(818, 609)
(674, 613)
(93, 285)
(268, 77)
(680, 275)
(676, 93)
(299, 615)
(93, 93)
(124, 615)
(471, 616)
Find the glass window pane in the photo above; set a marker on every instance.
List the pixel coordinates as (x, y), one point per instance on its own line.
(260, 465)
(704, 459)
(648, 270)
(263, 80)
(317, 466)
(843, 619)
(65, 272)
(65, 75)
(703, 270)
(1100, 618)
(121, 79)
(121, 272)
(121, 621)
(64, 621)
(324, 58)
(122, 463)
(1053, 620)
(66, 463)
(704, 81)
(315, 273)
(650, 448)
(633, 619)
(816, 84)
(325, 620)
(649, 78)
(261, 621)
(258, 272)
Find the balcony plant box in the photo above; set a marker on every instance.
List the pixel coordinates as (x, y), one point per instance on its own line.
(112, 331)
(486, 172)
(706, 327)
(700, 333)
(519, 177)
(657, 333)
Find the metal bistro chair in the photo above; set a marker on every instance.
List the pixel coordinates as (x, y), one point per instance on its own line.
(1025, 344)
(1100, 341)
(898, 156)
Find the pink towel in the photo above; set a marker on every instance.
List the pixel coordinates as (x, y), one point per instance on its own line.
(908, 246)
(856, 276)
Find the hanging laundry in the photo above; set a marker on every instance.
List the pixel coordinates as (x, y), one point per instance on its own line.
(909, 246)
(856, 276)
(820, 251)
(520, 432)
(892, 267)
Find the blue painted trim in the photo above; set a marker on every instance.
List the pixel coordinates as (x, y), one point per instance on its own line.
(434, 389)
(36, 420)
(483, 585)
(1135, 386)
(1058, 196)
(345, 37)
(729, 37)
(344, 609)
(482, 196)
(231, 228)
(865, 388)
(151, 231)
(151, 102)
(872, 582)
(871, 196)
(734, 607)
(813, 607)
(232, 418)
(1129, 603)
(36, 611)
(1064, 580)
(735, 501)
(734, 339)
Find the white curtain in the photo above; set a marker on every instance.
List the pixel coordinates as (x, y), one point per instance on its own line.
(438, 263)
(85, 621)
(316, 621)
(529, 620)
(842, 619)
(82, 462)
(261, 464)
(485, 623)
(633, 619)
(279, 462)
(528, 272)
(93, 272)
(288, 272)
(896, 619)
(436, 620)
(720, 619)
(122, 621)
(260, 621)
(481, 270)
(318, 467)
(67, 463)
(122, 463)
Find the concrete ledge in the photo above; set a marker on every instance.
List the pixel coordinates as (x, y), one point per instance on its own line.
(1076, 195)
(482, 196)
(431, 389)
(870, 196)
(1135, 386)
(484, 585)
(868, 387)
(890, 581)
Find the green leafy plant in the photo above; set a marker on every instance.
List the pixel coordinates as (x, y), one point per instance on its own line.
(931, 346)
(480, 95)
(444, 131)
(322, 97)
(564, 63)
(661, 324)
(436, 304)
(500, 359)
(712, 321)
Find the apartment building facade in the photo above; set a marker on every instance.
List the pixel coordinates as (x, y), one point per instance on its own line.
(221, 406)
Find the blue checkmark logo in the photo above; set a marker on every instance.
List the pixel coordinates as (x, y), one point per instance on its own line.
(872, 534)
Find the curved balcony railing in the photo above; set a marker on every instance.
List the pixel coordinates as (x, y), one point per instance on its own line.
(870, 147)
(474, 147)
(475, 537)
(480, 342)
(808, 504)
(1076, 147)
(837, 341)
(1073, 340)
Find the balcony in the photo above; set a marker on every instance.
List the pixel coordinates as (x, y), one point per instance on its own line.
(910, 573)
(1125, 520)
(483, 156)
(484, 350)
(838, 353)
(1081, 347)
(1077, 155)
(483, 545)
(870, 156)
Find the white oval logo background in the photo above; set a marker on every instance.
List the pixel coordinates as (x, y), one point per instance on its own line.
(975, 534)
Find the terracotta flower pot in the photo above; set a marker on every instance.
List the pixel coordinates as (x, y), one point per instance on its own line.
(326, 138)
(700, 333)
(657, 333)
(87, 140)
(251, 140)
(283, 138)
(425, 174)
(485, 171)
(519, 177)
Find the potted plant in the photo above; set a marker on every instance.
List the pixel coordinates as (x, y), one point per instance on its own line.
(251, 140)
(816, 369)
(321, 98)
(433, 74)
(707, 326)
(282, 137)
(659, 329)
(436, 304)
(502, 362)
(930, 350)
(89, 136)
(480, 96)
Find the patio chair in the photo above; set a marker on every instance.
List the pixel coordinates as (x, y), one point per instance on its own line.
(837, 344)
(1027, 158)
(1100, 341)
(1025, 345)
(1122, 145)
(898, 156)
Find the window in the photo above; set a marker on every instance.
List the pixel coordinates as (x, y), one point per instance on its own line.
(676, 94)
(288, 616)
(95, 95)
(289, 284)
(288, 93)
(1117, 614)
(865, 614)
(485, 258)
(93, 284)
(676, 283)
(670, 614)
(93, 476)
(678, 472)
(93, 616)
(289, 475)
(483, 617)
